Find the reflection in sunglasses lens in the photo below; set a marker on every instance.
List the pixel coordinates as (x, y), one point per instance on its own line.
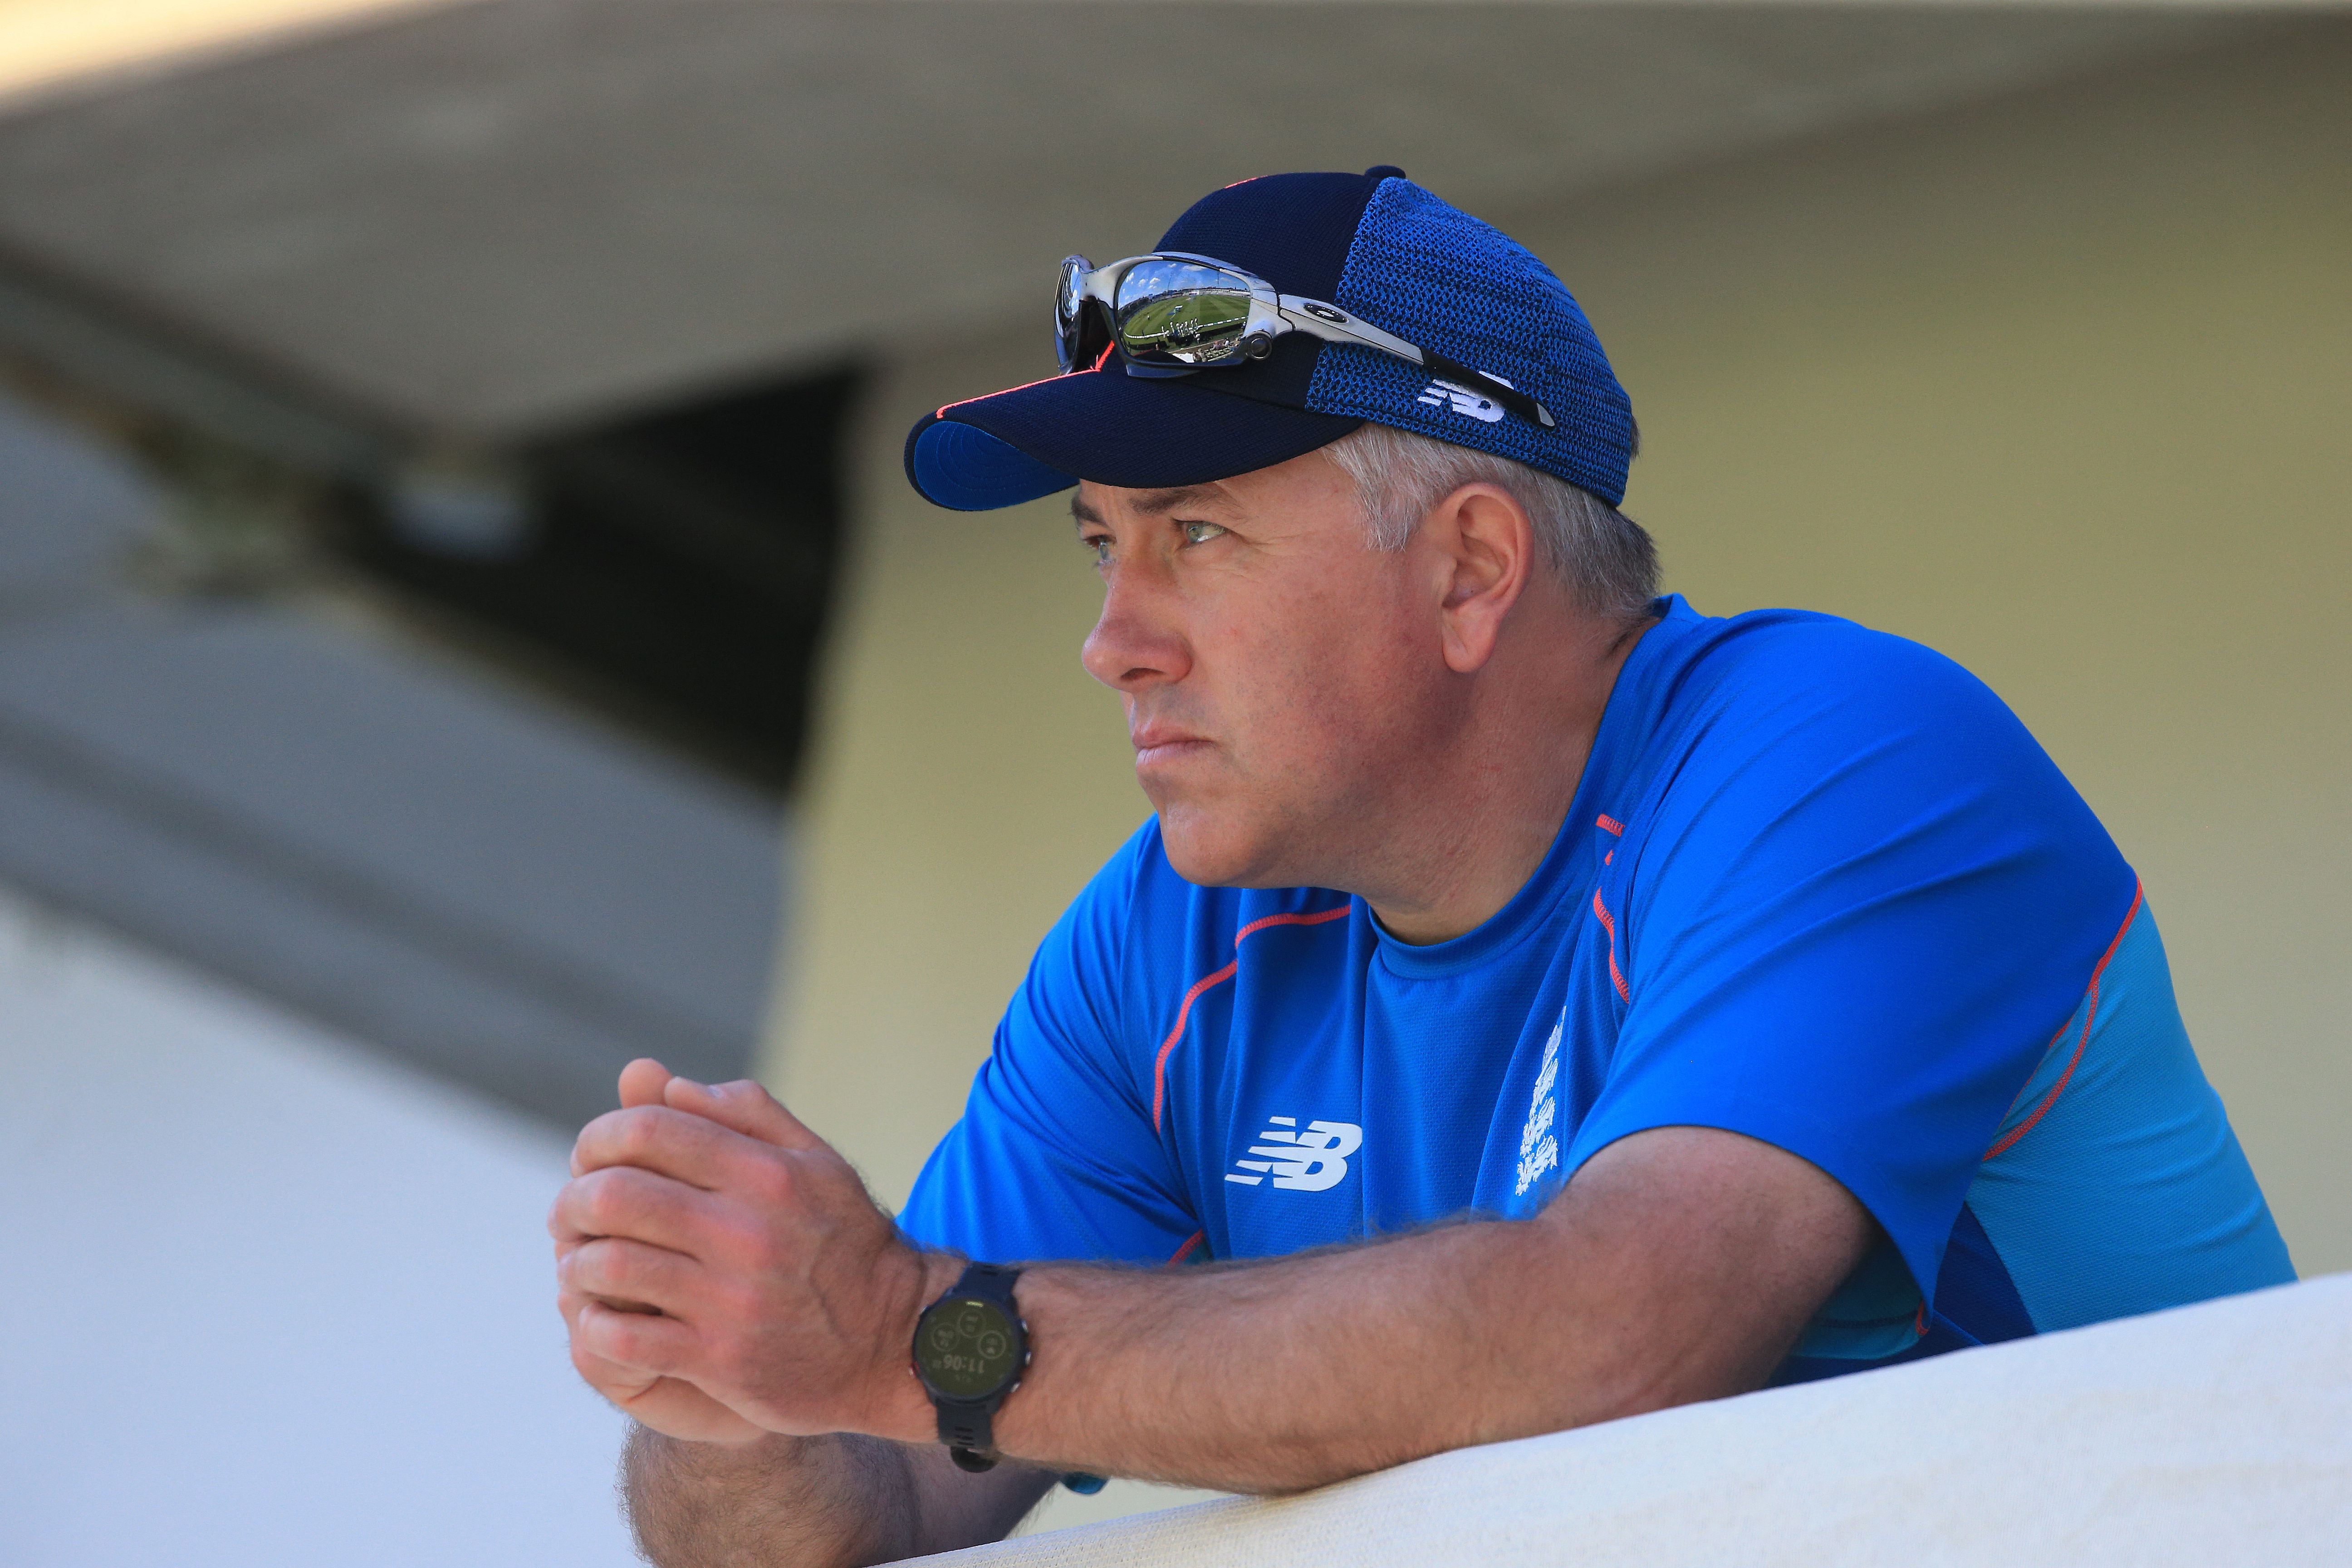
(1181, 311)
(1193, 327)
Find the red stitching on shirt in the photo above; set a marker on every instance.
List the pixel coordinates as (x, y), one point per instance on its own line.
(1185, 1251)
(1159, 1066)
(1316, 919)
(2091, 1016)
(1607, 824)
(1615, 975)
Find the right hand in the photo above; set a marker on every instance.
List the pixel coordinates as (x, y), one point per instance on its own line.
(669, 1405)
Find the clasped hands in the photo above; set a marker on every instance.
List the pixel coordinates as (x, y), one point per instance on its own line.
(724, 1274)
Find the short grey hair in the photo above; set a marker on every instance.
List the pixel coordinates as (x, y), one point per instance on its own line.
(1604, 556)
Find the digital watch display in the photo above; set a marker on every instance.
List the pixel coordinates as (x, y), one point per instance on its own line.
(968, 1348)
(971, 1347)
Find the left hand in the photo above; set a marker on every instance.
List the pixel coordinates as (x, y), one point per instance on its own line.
(776, 1287)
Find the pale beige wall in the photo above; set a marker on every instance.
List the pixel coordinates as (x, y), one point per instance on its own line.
(2059, 385)
(968, 778)
(2063, 387)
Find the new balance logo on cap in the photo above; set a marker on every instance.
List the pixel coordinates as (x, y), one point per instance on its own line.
(1309, 1161)
(1441, 393)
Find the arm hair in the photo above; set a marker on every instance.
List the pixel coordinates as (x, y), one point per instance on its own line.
(839, 1501)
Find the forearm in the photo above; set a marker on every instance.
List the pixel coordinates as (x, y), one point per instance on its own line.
(840, 1501)
(828, 1502)
(1629, 1294)
(1679, 1264)
(1279, 1376)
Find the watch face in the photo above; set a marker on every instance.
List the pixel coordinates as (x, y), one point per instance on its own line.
(967, 1348)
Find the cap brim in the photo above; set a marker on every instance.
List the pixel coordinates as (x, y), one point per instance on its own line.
(1105, 425)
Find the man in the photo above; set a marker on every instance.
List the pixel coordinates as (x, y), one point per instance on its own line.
(1755, 993)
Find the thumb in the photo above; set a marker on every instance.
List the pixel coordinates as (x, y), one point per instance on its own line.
(641, 1083)
(743, 1106)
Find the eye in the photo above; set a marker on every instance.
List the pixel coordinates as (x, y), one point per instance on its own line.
(1098, 546)
(1201, 532)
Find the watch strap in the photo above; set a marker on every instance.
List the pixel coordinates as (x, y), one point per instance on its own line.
(964, 1429)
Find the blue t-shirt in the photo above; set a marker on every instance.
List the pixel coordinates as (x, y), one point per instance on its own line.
(1818, 886)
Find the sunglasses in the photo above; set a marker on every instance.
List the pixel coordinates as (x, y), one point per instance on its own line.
(1170, 313)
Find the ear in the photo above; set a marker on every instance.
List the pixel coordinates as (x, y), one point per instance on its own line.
(1485, 544)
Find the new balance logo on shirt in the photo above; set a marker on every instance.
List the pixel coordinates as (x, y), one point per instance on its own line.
(1305, 1161)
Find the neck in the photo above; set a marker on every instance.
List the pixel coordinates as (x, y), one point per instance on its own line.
(1506, 778)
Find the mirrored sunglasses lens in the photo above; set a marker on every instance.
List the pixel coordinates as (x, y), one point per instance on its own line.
(1068, 301)
(1068, 292)
(1181, 313)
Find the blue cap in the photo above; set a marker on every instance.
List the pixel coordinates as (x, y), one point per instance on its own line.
(1375, 245)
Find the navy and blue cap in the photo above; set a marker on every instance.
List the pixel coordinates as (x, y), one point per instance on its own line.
(1373, 244)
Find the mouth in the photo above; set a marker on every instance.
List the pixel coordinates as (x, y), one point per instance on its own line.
(1158, 745)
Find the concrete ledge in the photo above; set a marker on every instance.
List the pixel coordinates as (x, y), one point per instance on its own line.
(2210, 1434)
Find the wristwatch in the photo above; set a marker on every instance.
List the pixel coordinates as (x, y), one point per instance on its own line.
(971, 1347)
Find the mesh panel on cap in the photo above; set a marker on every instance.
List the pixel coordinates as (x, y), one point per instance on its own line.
(1437, 277)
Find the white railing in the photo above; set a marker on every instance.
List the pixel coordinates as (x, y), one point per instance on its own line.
(2213, 1435)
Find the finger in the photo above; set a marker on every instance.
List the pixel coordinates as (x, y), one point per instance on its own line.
(639, 1342)
(631, 1276)
(567, 1304)
(664, 1400)
(665, 1403)
(743, 1106)
(675, 1143)
(634, 1204)
(619, 1383)
(641, 1082)
(567, 1307)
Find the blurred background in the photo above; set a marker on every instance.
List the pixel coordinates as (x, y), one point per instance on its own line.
(462, 624)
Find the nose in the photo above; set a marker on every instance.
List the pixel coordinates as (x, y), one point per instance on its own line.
(1137, 640)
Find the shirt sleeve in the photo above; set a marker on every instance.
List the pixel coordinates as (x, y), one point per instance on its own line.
(1856, 904)
(1055, 1157)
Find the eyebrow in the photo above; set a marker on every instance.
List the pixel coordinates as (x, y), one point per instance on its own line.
(1151, 503)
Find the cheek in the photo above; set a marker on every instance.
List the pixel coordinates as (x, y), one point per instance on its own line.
(1338, 688)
